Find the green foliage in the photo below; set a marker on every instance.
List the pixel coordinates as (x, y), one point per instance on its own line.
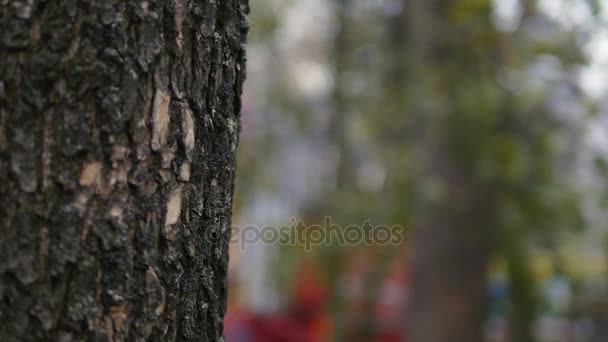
(505, 158)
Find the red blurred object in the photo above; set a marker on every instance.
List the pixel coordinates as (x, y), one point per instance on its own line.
(238, 325)
(309, 295)
(305, 319)
(280, 328)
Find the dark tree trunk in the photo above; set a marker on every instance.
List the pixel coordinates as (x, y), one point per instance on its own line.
(456, 224)
(118, 127)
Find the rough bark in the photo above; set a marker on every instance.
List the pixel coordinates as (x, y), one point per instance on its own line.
(118, 127)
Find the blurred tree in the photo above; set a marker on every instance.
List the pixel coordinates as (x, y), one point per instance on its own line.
(118, 127)
(485, 166)
(452, 51)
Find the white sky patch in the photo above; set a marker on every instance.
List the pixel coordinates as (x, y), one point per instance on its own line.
(593, 81)
(603, 12)
(311, 79)
(597, 136)
(597, 48)
(371, 176)
(303, 24)
(592, 77)
(569, 13)
(303, 39)
(507, 14)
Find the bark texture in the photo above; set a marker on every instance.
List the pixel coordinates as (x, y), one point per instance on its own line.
(118, 127)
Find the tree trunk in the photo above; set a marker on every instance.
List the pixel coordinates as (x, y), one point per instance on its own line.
(118, 127)
(456, 223)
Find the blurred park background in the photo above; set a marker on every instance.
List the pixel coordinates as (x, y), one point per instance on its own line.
(481, 126)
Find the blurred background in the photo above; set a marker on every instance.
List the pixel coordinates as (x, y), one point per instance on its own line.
(480, 126)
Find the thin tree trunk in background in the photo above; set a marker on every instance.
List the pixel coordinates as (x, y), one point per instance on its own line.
(455, 227)
(337, 131)
(118, 127)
